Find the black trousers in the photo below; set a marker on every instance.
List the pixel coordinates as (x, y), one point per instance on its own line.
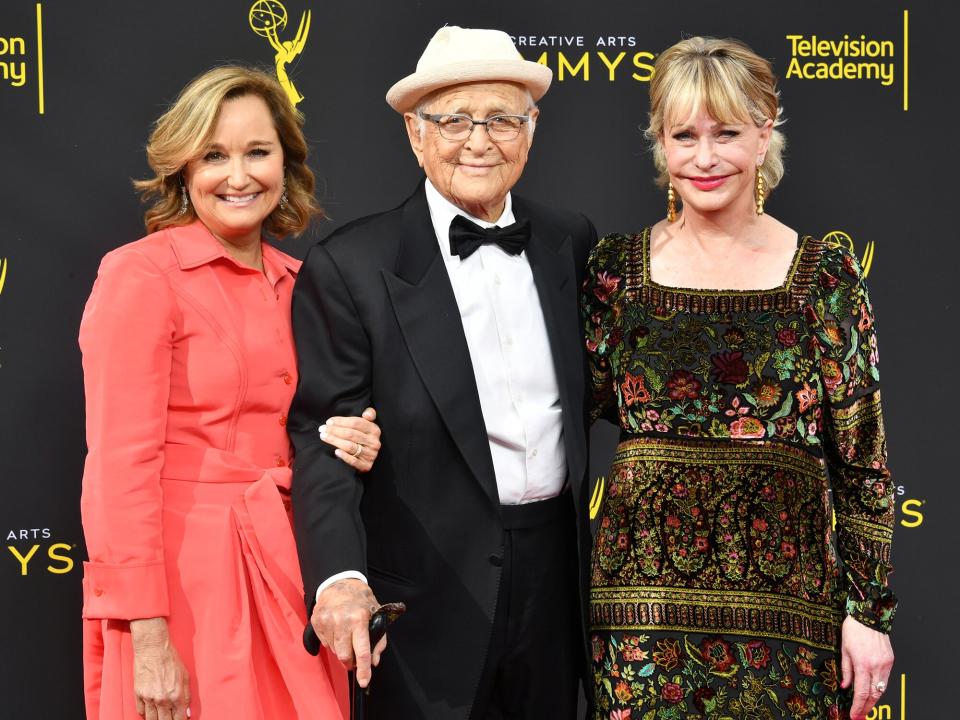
(533, 666)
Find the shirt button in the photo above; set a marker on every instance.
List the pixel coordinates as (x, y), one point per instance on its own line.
(281, 462)
(287, 377)
(98, 591)
(283, 420)
(496, 280)
(533, 453)
(496, 560)
(508, 341)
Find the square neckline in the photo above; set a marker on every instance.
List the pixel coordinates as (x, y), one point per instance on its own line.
(783, 287)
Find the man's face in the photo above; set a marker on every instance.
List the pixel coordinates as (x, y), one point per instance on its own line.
(474, 174)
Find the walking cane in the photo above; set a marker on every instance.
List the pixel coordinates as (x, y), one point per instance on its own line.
(382, 617)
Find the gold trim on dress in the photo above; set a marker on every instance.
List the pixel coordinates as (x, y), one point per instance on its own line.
(863, 528)
(790, 295)
(708, 451)
(863, 409)
(747, 613)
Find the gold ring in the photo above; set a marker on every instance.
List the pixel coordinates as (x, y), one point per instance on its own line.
(359, 450)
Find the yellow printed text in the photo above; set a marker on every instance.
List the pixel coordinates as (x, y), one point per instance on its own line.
(13, 71)
(638, 67)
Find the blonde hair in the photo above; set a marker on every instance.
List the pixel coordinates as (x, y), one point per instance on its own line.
(184, 131)
(727, 80)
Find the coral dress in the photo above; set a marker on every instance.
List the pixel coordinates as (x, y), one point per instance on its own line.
(717, 588)
(189, 368)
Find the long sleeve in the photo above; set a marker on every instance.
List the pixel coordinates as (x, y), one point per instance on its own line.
(855, 443)
(335, 378)
(600, 285)
(126, 338)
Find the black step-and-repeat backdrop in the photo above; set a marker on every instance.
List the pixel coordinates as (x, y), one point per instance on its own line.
(872, 158)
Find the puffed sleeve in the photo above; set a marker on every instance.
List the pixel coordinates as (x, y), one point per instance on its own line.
(855, 443)
(126, 338)
(601, 284)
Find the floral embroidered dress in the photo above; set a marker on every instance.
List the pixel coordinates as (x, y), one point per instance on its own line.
(718, 589)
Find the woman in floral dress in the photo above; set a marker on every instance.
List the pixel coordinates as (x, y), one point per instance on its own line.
(740, 361)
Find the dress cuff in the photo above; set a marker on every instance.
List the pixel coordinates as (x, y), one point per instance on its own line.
(873, 606)
(125, 592)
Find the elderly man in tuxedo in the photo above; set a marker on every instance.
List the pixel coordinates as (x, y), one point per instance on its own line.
(455, 315)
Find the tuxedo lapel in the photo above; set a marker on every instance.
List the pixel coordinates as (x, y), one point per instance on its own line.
(550, 253)
(426, 309)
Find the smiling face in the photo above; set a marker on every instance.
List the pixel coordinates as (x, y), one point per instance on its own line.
(712, 165)
(237, 181)
(477, 173)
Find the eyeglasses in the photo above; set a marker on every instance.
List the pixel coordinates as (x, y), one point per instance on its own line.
(458, 127)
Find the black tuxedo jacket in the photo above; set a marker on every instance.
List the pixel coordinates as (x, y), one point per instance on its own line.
(376, 323)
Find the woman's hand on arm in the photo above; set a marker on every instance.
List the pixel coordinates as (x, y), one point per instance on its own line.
(161, 683)
(866, 658)
(356, 439)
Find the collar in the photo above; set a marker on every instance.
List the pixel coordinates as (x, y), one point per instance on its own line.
(194, 245)
(442, 213)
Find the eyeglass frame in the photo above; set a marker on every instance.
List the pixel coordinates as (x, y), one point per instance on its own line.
(436, 117)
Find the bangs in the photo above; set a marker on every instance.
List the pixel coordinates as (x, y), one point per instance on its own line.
(709, 85)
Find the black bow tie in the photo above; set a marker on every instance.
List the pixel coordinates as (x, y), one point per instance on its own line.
(466, 237)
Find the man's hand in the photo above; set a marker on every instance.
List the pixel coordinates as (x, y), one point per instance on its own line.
(341, 619)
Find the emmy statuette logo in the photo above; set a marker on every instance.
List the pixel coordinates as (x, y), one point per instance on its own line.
(267, 19)
(596, 497)
(839, 237)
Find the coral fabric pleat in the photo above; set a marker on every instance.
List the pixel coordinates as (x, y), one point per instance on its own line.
(234, 581)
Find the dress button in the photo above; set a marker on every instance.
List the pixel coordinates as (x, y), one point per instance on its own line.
(287, 377)
(283, 420)
(496, 560)
(98, 591)
(281, 462)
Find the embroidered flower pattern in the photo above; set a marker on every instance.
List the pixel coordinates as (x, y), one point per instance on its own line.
(719, 680)
(634, 390)
(730, 405)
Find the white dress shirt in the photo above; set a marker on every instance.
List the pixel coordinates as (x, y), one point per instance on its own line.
(512, 363)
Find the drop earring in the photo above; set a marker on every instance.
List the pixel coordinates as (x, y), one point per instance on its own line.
(760, 191)
(671, 203)
(184, 200)
(284, 199)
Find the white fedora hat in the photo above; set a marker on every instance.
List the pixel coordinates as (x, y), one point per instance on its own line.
(457, 55)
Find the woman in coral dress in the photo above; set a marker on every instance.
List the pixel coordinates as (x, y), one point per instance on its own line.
(739, 360)
(192, 595)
